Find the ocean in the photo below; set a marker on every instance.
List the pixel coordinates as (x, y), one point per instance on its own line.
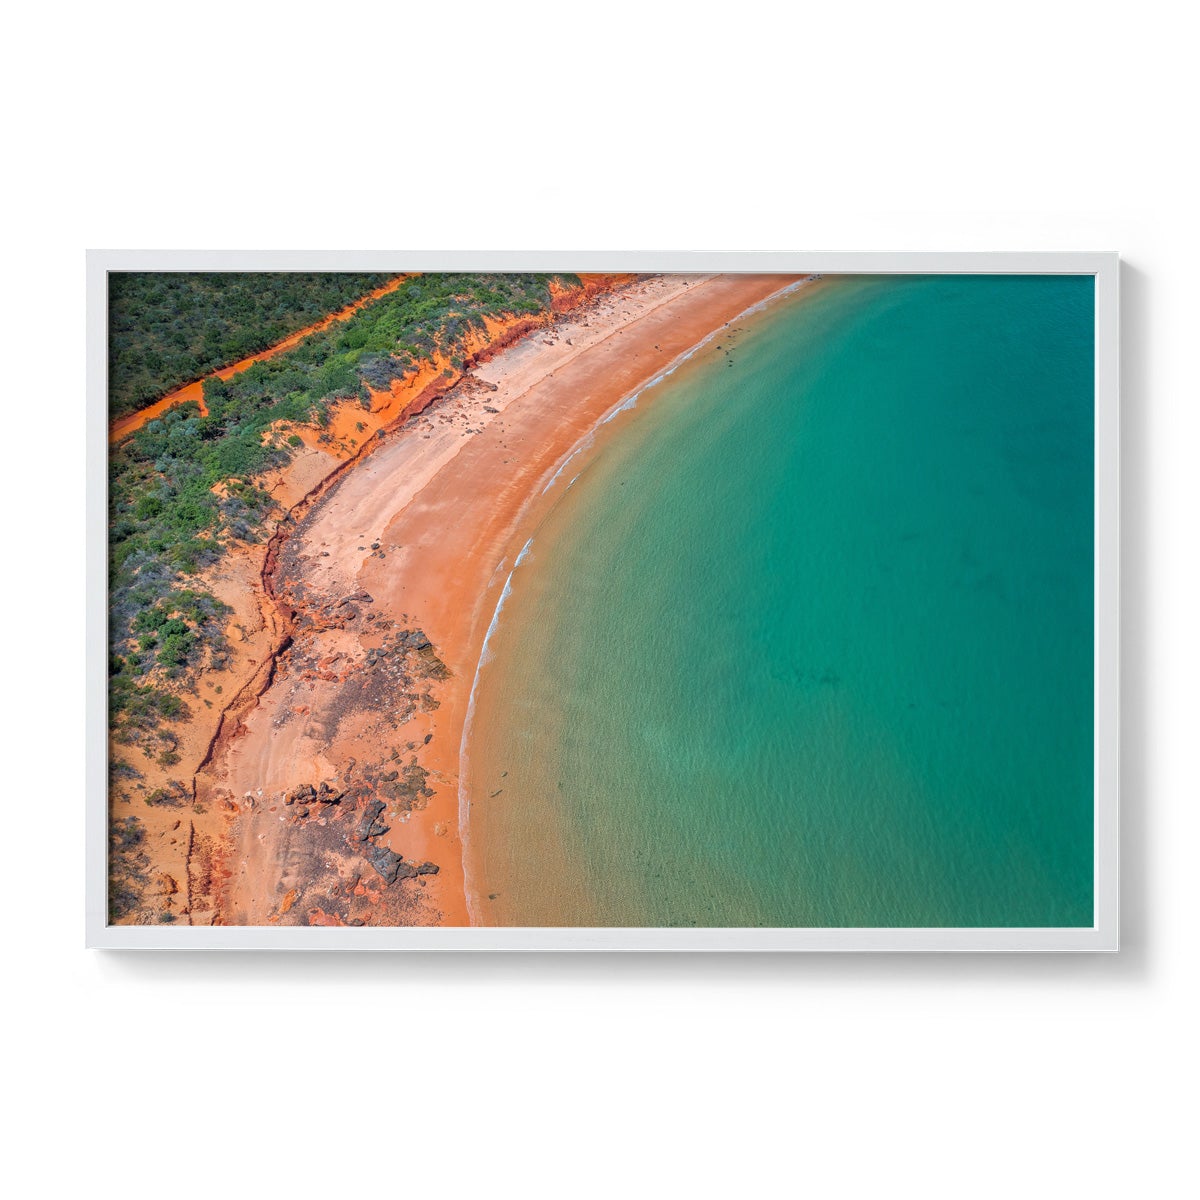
(806, 639)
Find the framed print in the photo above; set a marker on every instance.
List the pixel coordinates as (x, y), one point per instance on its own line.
(602, 601)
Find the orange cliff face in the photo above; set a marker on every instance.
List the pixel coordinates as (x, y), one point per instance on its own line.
(564, 299)
(350, 424)
(122, 427)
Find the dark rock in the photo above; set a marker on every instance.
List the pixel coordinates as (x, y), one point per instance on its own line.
(386, 862)
(392, 866)
(370, 825)
(303, 812)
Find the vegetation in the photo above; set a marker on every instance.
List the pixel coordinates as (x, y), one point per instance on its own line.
(174, 795)
(127, 861)
(165, 330)
(429, 316)
(183, 487)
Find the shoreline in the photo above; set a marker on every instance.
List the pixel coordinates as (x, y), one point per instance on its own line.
(585, 443)
(441, 504)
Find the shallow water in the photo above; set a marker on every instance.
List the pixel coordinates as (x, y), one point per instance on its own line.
(808, 640)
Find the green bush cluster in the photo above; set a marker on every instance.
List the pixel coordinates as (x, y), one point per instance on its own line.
(168, 329)
(136, 709)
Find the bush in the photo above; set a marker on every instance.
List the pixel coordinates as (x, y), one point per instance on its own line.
(127, 834)
(174, 795)
(168, 329)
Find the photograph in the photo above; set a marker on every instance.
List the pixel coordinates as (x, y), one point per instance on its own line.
(647, 556)
(643, 600)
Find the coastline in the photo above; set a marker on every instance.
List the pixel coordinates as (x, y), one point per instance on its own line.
(417, 541)
(588, 442)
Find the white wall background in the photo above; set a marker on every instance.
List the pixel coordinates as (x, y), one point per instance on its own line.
(612, 126)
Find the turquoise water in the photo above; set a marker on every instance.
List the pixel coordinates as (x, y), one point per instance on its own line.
(809, 639)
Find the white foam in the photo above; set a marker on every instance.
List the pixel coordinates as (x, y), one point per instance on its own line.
(631, 400)
(578, 450)
(464, 805)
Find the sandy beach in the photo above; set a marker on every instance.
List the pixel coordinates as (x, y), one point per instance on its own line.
(340, 782)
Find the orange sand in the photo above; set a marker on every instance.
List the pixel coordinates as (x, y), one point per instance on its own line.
(448, 497)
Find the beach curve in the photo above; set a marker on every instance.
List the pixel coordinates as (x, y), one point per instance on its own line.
(624, 404)
(441, 505)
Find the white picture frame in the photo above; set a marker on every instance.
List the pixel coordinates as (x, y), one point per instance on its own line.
(1101, 936)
